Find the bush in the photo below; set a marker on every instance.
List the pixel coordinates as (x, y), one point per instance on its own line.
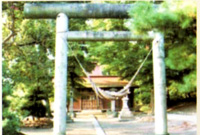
(11, 123)
(142, 97)
(145, 108)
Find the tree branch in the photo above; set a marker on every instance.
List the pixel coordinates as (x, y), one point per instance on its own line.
(8, 37)
(27, 44)
(24, 44)
(12, 28)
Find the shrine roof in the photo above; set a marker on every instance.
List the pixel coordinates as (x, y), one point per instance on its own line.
(105, 81)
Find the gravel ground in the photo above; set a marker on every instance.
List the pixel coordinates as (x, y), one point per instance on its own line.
(78, 127)
(178, 124)
(181, 121)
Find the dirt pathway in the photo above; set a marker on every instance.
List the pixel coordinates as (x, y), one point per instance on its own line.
(178, 124)
(78, 127)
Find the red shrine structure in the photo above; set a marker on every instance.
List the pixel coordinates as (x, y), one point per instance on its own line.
(87, 99)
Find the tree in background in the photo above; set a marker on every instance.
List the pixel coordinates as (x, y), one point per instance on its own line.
(122, 58)
(28, 51)
(177, 21)
(11, 122)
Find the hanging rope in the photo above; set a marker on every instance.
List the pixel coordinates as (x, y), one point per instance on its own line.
(111, 95)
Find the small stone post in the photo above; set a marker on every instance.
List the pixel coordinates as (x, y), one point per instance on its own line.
(159, 85)
(60, 83)
(113, 112)
(71, 106)
(125, 113)
(112, 105)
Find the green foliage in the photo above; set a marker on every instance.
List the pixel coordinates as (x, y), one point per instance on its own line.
(29, 55)
(176, 62)
(34, 74)
(123, 58)
(11, 123)
(177, 21)
(146, 18)
(145, 108)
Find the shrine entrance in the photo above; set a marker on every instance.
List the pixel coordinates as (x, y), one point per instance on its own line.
(90, 103)
(62, 12)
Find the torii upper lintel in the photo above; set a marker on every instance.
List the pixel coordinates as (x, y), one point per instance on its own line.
(76, 10)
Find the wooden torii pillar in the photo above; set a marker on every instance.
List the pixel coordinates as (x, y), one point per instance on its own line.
(63, 11)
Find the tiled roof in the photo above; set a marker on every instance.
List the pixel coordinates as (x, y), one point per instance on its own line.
(104, 81)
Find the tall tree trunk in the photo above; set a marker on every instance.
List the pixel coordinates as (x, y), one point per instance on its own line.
(48, 108)
(168, 98)
(152, 102)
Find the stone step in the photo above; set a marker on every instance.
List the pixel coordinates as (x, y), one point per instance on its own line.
(89, 113)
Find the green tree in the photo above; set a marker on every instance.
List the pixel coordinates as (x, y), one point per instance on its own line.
(28, 50)
(11, 123)
(123, 58)
(31, 68)
(177, 21)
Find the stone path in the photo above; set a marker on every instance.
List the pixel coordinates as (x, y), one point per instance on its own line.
(78, 127)
(145, 126)
(177, 125)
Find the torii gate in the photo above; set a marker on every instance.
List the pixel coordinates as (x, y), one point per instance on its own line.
(62, 12)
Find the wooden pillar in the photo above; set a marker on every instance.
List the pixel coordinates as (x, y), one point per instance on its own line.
(60, 75)
(159, 85)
